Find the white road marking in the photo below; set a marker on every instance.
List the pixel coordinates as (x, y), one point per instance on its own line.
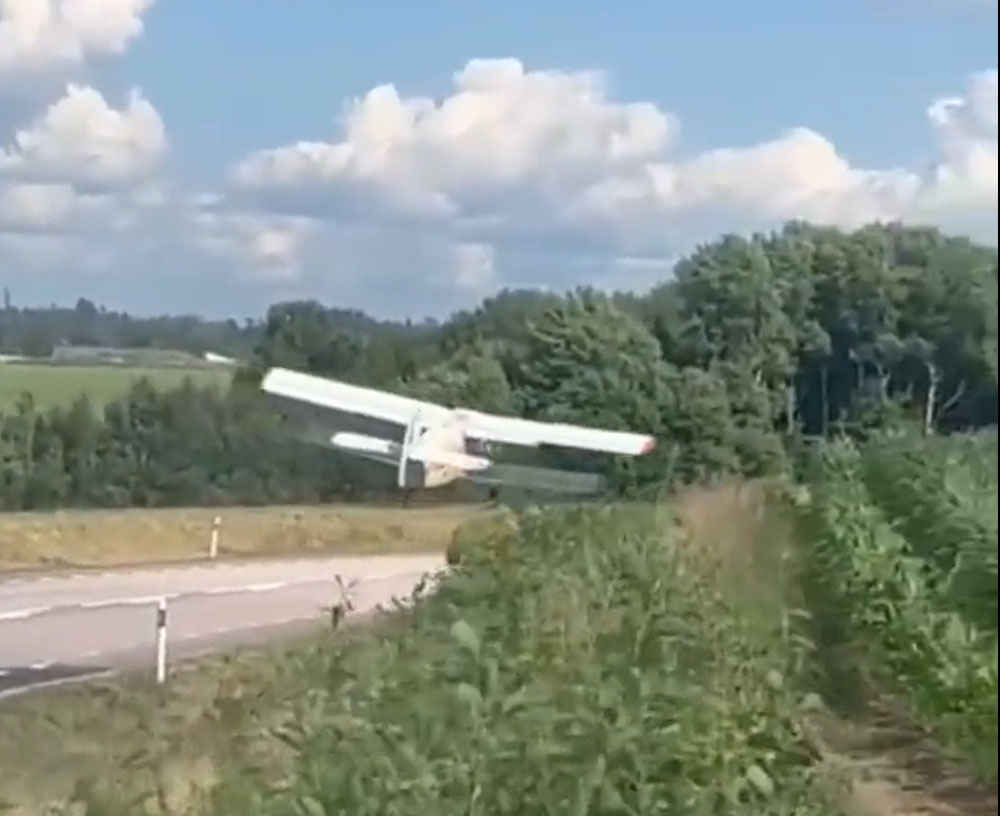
(141, 600)
(228, 590)
(18, 614)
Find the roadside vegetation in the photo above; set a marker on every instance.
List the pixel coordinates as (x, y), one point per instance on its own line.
(90, 538)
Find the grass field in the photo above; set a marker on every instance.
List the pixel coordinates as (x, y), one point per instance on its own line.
(61, 384)
(624, 659)
(110, 537)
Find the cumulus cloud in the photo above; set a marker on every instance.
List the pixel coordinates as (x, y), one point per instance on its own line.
(40, 35)
(514, 154)
(503, 130)
(965, 129)
(82, 165)
(80, 139)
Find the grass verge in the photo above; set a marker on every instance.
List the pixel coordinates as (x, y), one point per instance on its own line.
(118, 537)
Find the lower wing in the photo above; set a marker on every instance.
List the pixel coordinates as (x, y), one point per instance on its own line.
(478, 469)
(544, 479)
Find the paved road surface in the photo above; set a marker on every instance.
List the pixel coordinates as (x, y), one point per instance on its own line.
(53, 628)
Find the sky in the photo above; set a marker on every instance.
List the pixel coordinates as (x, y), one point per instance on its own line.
(409, 159)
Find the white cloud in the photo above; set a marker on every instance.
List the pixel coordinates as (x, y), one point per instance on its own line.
(513, 154)
(82, 140)
(79, 159)
(39, 35)
(503, 130)
(263, 248)
(965, 128)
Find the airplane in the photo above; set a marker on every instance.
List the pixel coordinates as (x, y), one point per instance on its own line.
(432, 445)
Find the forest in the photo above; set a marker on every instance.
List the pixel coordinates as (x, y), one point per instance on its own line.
(751, 349)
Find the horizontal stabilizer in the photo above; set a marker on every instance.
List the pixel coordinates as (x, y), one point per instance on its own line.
(543, 479)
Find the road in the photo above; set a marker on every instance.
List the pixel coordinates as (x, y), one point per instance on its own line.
(57, 628)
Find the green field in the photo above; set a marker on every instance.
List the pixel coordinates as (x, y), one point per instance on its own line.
(825, 648)
(900, 537)
(61, 384)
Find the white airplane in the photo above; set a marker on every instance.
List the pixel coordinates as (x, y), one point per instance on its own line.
(431, 445)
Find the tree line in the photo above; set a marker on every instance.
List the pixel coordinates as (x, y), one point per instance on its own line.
(753, 345)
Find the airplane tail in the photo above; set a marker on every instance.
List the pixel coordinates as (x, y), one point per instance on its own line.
(542, 479)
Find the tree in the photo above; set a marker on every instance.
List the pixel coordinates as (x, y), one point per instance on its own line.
(588, 362)
(471, 378)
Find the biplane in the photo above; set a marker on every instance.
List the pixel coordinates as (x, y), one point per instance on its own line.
(431, 445)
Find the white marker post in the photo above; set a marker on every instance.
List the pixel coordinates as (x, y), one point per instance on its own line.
(213, 543)
(161, 641)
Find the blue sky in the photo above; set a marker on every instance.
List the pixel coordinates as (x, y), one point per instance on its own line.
(423, 217)
(231, 76)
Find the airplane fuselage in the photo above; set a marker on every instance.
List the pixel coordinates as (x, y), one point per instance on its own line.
(448, 437)
(429, 455)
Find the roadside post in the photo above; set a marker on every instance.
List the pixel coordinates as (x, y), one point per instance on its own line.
(161, 641)
(213, 542)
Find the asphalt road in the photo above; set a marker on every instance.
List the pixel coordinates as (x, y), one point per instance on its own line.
(62, 627)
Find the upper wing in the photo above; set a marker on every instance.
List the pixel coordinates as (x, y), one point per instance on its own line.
(514, 431)
(332, 405)
(321, 404)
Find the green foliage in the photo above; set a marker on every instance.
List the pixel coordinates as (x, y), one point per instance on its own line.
(471, 378)
(585, 666)
(36, 332)
(186, 446)
(941, 494)
(872, 585)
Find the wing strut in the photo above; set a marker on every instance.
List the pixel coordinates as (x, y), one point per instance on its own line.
(404, 455)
